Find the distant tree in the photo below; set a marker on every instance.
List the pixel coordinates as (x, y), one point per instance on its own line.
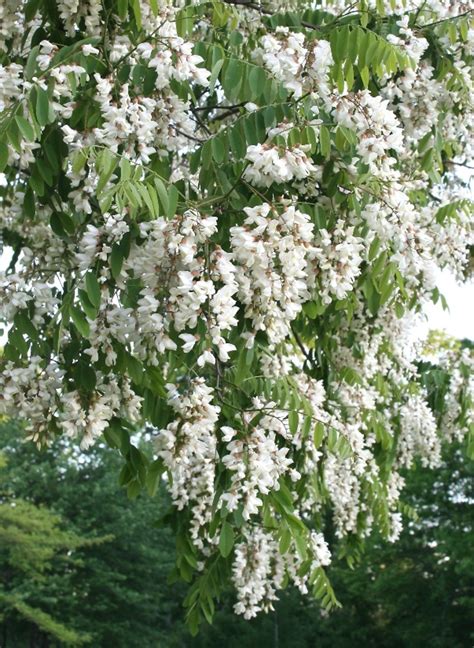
(111, 592)
(33, 544)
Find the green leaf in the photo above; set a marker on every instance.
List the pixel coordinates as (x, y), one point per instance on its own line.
(427, 160)
(293, 420)
(307, 422)
(350, 376)
(184, 22)
(45, 171)
(132, 195)
(162, 195)
(318, 434)
(257, 80)
(353, 44)
(218, 150)
(122, 8)
(85, 377)
(301, 543)
(42, 106)
(332, 439)
(61, 224)
(349, 75)
(13, 134)
(137, 13)
(93, 289)
(214, 74)
(135, 369)
(105, 165)
(26, 129)
(155, 205)
(237, 141)
(133, 489)
(325, 141)
(36, 183)
(3, 156)
(116, 260)
(374, 248)
(80, 321)
(364, 75)
(233, 76)
(173, 197)
(24, 324)
(285, 541)
(112, 436)
(31, 63)
(88, 308)
(153, 477)
(241, 369)
(16, 339)
(226, 540)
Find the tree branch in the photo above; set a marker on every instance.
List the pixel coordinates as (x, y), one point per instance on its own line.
(267, 12)
(301, 345)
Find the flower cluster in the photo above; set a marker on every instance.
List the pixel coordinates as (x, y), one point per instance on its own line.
(377, 127)
(88, 421)
(418, 435)
(272, 252)
(300, 66)
(187, 447)
(270, 163)
(257, 573)
(284, 55)
(336, 259)
(259, 569)
(255, 461)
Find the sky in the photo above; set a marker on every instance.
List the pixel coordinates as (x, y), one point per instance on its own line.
(458, 321)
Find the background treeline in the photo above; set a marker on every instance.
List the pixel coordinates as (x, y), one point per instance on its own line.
(82, 565)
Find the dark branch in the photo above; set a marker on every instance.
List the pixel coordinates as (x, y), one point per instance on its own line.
(302, 347)
(267, 12)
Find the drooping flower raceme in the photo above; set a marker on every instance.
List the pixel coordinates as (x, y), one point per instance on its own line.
(271, 250)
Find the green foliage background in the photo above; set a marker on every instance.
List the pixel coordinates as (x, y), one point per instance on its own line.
(80, 564)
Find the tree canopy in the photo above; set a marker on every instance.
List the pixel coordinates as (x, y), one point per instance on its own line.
(100, 561)
(224, 219)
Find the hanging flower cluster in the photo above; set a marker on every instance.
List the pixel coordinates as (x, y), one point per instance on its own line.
(224, 230)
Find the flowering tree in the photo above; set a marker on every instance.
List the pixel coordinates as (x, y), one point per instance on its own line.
(224, 217)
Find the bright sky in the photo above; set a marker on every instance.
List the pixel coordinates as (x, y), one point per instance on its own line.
(458, 321)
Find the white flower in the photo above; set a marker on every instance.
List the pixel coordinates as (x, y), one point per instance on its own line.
(189, 341)
(89, 49)
(250, 107)
(336, 258)
(284, 55)
(271, 164)
(206, 357)
(224, 349)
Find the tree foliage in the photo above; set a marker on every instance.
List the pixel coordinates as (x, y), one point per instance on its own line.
(110, 586)
(31, 540)
(222, 219)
